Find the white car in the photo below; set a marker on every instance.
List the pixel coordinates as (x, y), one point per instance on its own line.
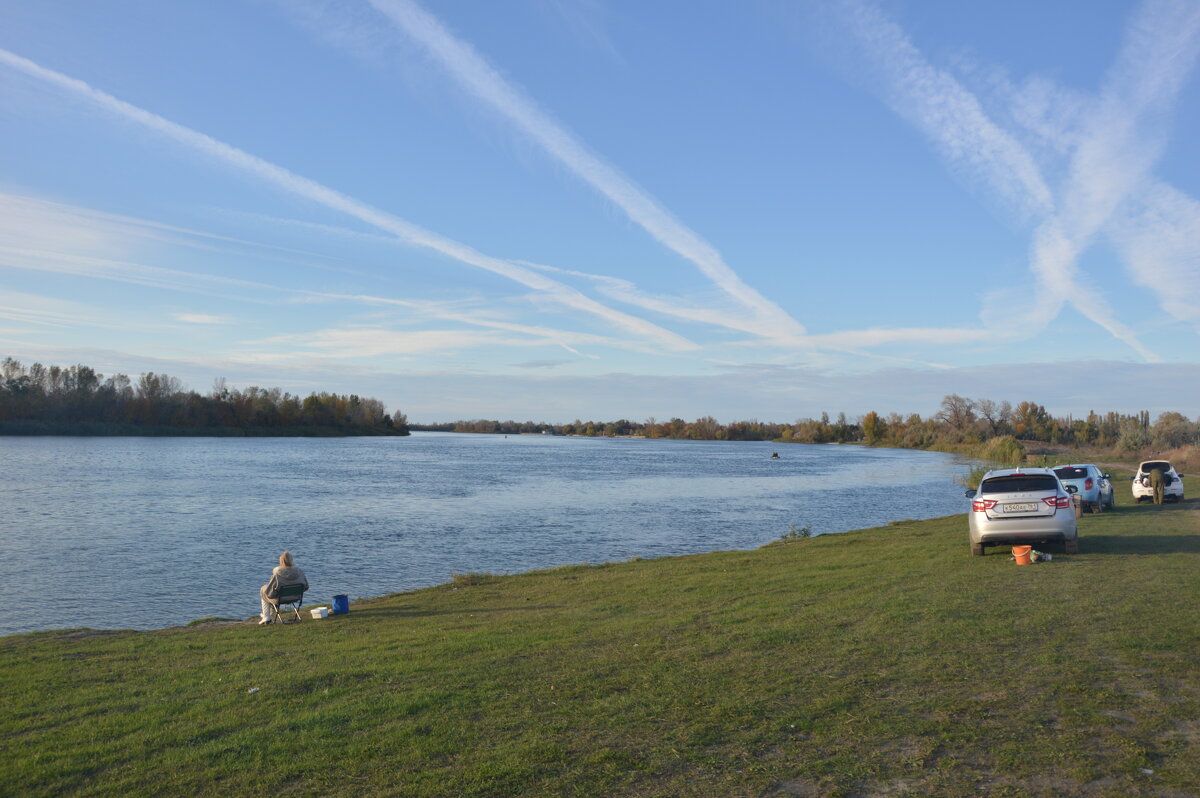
(1018, 506)
(1172, 491)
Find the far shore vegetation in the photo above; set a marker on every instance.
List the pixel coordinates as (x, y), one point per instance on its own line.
(983, 428)
(78, 400)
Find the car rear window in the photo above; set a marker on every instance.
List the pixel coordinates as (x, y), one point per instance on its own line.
(1161, 464)
(1071, 472)
(1019, 483)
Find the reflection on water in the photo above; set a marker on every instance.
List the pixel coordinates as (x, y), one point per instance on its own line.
(148, 532)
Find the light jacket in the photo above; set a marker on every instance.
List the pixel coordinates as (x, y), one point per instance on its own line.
(283, 576)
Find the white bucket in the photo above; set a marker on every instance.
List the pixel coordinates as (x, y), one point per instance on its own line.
(319, 612)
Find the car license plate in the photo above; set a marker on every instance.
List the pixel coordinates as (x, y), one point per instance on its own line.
(1019, 508)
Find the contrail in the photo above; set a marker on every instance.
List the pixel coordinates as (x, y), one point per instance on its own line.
(479, 78)
(1115, 154)
(946, 111)
(1106, 166)
(1161, 246)
(309, 189)
(433, 310)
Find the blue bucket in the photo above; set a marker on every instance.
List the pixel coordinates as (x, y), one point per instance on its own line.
(341, 604)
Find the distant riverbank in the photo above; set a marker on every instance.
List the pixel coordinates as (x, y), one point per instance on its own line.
(91, 429)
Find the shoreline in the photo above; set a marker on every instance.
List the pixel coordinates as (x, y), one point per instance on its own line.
(452, 584)
(840, 664)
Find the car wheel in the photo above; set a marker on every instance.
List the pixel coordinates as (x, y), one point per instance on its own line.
(978, 550)
(1071, 546)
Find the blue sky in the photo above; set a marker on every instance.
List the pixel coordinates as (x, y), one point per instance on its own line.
(545, 209)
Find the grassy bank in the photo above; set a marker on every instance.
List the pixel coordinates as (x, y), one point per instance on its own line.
(886, 661)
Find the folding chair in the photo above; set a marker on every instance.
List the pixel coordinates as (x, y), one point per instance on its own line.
(292, 595)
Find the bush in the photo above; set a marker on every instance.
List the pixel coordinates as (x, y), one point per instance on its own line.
(1134, 436)
(794, 535)
(472, 578)
(1006, 450)
(972, 478)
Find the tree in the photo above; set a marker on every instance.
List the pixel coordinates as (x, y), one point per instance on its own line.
(958, 412)
(873, 427)
(706, 428)
(1031, 421)
(157, 386)
(80, 395)
(1134, 436)
(994, 415)
(1172, 430)
(843, 430)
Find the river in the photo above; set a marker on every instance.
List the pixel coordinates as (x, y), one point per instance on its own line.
(149, 532)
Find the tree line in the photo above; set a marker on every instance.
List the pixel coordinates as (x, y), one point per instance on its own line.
(959, 422)
(78, 399)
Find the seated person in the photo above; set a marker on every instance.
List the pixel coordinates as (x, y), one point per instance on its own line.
(286, 573)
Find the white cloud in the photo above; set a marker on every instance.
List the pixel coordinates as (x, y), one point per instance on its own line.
(1113, 145)
(49, 237)
(51, 314)
(542, 364)
(482, 81)
(201, 318)
(455, 312)
(33, 222)
(625, 291)
(57, 262)
(41, 311)
(377, 342)
(942, 108)
(1155, 227)
(323, 195)
(53, 237)
(845, 341)
(1159, 237)
(1119, 141)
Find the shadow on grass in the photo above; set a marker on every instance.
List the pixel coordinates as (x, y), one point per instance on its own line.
(413, 612)
(1140, 544)
(1150, 507)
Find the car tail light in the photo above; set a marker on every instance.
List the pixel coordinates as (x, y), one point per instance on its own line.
(983, 504)
(1087, 485)
(1059, 502)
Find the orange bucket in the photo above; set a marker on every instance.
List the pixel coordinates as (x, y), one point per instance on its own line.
(1021, 553)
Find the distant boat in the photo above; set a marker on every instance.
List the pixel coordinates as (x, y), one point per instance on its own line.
(774, 455)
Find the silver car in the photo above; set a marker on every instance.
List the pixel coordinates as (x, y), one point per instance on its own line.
(1020, 506)
(1091, 485)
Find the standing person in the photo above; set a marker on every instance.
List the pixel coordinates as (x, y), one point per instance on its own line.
(1158, 481)
(286, 573)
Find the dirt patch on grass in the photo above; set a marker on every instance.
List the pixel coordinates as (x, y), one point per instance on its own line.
(1186, 730)
(801, 788)
(1123, 717)
(80, 634)
(906, 748)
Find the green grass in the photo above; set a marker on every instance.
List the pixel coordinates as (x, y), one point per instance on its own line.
(886, 661)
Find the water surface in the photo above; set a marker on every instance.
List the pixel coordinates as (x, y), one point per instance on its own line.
(149, 532)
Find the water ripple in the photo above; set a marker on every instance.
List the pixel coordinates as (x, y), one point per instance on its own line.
(163, 531)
